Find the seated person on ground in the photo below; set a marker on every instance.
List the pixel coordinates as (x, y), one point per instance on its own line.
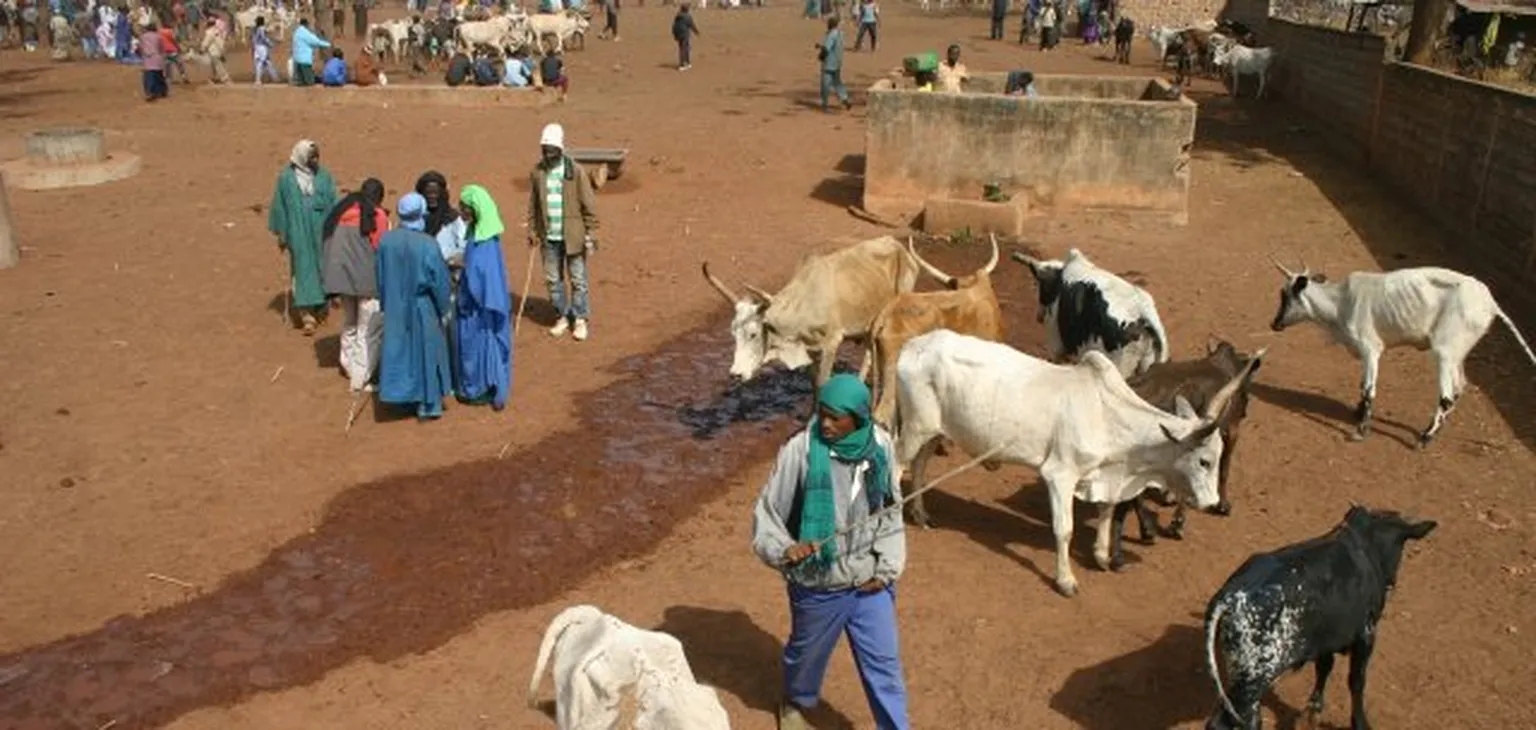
(552, 70)
(519, 70)
(459, 69)
(485, 70)
(1021, 83)
(335, 71)
(367, 72)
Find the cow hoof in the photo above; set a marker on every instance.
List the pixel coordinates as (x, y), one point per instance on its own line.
(1222, 509)
(1355, 437)
(1423, 442)
(1067, 590)
(992, 465)
(1117, 564)
(1105, 563)
(1174, 533)
(1148, 538)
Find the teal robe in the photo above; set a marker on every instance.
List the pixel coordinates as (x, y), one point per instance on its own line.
(297, 220)
(413, 297)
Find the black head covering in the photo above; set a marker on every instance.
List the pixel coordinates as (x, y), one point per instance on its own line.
(370, 196)
(444, 213)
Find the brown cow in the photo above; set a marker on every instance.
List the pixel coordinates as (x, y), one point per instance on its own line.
(1196, 381)
(968, 307)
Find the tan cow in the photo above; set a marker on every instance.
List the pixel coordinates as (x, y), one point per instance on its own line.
(831, 297)
(969, 307)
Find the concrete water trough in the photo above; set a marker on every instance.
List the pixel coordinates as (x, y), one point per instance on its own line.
(68, 157)
(1086, 143)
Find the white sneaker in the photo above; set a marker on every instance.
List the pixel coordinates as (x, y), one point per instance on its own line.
(560, 328)
(580, 331)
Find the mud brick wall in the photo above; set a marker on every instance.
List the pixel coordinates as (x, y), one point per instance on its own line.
(1462, 151)
(1181, 13)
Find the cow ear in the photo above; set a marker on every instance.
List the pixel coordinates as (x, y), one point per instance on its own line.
(1419, 530)
(1182, 408)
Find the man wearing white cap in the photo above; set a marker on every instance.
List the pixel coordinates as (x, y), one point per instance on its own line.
(562, 217)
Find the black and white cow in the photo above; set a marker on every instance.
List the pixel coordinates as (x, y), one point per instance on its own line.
(1085, 308)
(1305, 603)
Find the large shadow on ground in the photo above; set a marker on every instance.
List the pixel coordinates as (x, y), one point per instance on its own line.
(1397, 234)
(1157, 686)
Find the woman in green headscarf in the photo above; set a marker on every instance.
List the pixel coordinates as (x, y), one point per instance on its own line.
(831, 476)
(483, 314)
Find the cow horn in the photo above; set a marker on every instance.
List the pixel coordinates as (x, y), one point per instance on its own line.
(720, 286)
(765, 296)
(1288, 273)
(1217, 405)
(991, 263)
(930, 268)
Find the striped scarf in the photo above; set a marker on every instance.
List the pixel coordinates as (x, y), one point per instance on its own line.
(554, 201)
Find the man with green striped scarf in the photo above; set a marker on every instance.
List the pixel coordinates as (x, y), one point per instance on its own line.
(562, 218)
(836, 475)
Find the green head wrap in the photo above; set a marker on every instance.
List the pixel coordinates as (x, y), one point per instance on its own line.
(487, 218)
(843, 394)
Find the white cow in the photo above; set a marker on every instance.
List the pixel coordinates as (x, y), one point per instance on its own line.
(1428, 308)
(1085, 307)
(1163, 38)
(1243, 61)
(1087, 433)
(597, 656)
(563, 26)
(278, 20)
(500, 32)
(390, 37)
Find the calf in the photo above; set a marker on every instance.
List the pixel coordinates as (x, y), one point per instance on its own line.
(1197, 381)
(1086, 308)
(969, 307)
(1428, 308)
(1305, 603)
(597, 657)
(1244, 61)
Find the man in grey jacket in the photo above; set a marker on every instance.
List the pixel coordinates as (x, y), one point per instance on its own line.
(831, 476)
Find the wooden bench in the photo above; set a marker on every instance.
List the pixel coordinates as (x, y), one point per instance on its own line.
(603, 164)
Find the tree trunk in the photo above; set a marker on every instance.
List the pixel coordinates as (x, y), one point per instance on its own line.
(1428, 25)
(10, 255)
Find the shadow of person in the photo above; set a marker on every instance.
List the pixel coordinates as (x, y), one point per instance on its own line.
(730, 652)
(1157, 686)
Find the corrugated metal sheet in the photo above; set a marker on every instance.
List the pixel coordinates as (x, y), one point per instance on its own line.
(1506, 7)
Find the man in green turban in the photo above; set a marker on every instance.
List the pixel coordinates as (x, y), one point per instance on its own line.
(836, 475)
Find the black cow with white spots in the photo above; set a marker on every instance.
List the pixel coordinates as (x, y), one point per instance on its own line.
(1086, 308)
(1303, 604)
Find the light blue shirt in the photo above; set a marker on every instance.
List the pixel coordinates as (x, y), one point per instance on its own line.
(516, 74)
(450, 239)
(304, 44)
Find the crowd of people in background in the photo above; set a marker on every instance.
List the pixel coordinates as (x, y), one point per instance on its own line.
(426, 306)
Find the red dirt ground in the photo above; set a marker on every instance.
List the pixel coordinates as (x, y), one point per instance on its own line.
(141, 431)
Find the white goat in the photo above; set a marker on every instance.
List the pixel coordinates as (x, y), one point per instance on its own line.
(1162, 38)
(1428, 308)
(597, 656)
(1245, 61)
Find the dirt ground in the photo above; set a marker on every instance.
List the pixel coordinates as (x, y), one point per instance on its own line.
(401, 577)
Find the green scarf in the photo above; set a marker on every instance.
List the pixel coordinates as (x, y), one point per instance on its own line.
(843, 394)
(487, 218)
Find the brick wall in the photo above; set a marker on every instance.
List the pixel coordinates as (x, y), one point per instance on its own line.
(1462, 151)
(1180, 13)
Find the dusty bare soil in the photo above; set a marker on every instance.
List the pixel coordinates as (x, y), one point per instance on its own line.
(401, 576)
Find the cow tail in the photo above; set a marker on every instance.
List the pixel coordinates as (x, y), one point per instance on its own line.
(1514, 331)
(557, 628)
(1212, 625)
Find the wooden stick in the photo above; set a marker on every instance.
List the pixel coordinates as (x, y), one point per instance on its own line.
(357, 407)
(865, 215)
(522, 304)
(278, 372)
(168, 579)
(503, 453)
(287, 295)
(957, 471)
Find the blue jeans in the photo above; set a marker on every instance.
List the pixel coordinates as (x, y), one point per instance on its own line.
(556, 265)
(832, 80)
(817, 620)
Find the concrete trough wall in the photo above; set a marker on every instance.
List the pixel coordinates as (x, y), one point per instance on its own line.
(1087, 143)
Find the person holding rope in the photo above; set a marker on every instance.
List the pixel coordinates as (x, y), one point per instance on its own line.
(829, 520)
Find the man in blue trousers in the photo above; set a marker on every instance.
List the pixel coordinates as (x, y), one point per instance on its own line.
(837, 474)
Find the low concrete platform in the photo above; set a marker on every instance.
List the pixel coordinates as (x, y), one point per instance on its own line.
(384, 96)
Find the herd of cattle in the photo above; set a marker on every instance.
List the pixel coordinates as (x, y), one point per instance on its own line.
(1110, 420)
(1212, 46)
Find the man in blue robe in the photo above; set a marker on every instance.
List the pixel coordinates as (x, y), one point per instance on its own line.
(413, 297)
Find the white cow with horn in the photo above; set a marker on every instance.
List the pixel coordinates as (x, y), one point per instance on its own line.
(1087, 433)
(1428, 308)
(831, 297)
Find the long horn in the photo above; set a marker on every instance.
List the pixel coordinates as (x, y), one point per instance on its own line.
(1217, 405)
(765, 296)
(991, 264)
(720, 286)
(1288, 273)
(1024, 258)
(930, 268)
